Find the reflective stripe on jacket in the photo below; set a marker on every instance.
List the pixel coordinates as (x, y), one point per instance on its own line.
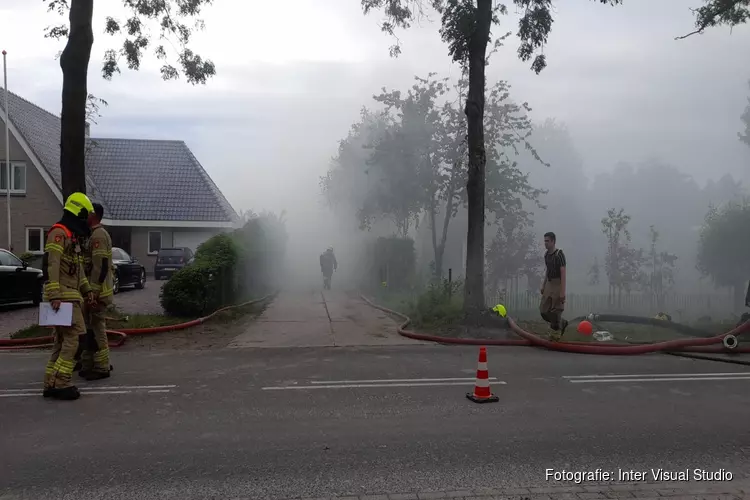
(63, 267)
(99, 250)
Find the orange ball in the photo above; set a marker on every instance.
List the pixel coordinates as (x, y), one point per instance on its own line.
(585, 327)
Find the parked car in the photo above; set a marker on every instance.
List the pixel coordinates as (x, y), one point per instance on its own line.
(171, 260)
(128, 271)
(18, 281)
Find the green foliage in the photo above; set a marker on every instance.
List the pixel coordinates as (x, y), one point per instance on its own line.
(229, 268)
(440, 304)
(512, 253)
(720, 12)
(724, 244)
(412, 159)
(459, 22)
(174, 20)
(26, 256)
(208, 283)
(392, 262)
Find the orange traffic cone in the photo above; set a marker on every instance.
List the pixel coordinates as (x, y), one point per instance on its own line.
(482, 393)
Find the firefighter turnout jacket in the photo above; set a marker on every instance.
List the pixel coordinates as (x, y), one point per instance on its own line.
(65, 277)
(98, 263)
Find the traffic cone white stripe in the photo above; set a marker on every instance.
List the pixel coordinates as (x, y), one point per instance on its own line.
(482, 366)
(483, 382)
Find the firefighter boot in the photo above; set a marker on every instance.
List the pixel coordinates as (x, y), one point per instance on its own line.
(70, 393)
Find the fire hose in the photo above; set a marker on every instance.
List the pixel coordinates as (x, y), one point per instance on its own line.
(725, 342)
(122, 334)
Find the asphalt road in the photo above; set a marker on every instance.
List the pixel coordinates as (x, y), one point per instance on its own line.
(309, 422)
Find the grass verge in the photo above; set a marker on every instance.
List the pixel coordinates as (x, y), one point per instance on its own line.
(438, 311)
(117, 320)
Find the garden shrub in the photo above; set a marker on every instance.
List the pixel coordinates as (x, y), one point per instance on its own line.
(440, 304)
(228, 268)
(392, 263)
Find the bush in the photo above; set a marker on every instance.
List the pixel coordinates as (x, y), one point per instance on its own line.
(228, 268)
(391, 261)
(440, 304)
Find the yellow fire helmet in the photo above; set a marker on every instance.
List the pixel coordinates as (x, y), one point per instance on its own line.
(78, 202)
(500, 310)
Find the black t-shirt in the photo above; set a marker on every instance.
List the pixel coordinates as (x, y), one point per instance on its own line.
(554, 262)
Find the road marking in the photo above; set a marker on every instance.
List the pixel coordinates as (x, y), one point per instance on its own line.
(720, 374)
(665, 379)
(154, 391)
(368, 386)
(106, 387)
(394, 380)
(37, 394)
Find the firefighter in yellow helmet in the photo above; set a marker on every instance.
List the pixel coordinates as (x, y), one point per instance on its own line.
(98, 264)
(65, 281)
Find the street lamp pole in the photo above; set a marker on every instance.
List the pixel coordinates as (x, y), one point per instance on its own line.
(7, 146)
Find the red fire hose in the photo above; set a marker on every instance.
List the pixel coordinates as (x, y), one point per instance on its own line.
(701, 345)
(123, 333)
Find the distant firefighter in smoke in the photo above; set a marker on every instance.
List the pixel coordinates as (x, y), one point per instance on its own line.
(328, 265)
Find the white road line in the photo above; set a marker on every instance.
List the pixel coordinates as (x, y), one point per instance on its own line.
(106, 387)
(368, 386)
(104, 392)
(642, 375)
(665, 379)
(154, 391)
(132, 387)
(378, 381)
(37, 394)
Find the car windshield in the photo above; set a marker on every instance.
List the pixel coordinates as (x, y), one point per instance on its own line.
(171, 252)
(120, 254)
(8, 259)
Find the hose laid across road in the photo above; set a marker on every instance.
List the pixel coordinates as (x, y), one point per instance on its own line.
(122, 334)
(711, 345)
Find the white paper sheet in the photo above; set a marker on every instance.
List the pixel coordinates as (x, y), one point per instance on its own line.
(48, 316)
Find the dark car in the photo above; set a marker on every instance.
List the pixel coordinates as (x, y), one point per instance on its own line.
(171, 260)
(18, 281)
(128, 272)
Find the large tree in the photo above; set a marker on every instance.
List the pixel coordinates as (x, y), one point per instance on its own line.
(724, 242)
(417, 160)
(175, 19)
(465, 27)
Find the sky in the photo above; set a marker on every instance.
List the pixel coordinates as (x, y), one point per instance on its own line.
(293, 76)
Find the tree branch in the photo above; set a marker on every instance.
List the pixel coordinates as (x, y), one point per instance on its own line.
(709, 15)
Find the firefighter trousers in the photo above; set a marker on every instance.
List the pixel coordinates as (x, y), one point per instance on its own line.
(95, 354)
(59, 370)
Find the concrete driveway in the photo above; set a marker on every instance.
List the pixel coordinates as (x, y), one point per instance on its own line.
(315, 319)
(17, 316)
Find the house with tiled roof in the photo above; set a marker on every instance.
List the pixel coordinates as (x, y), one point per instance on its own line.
(155, 193)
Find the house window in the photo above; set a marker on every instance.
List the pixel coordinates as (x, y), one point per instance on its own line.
(35, 238)
(154, 242)
(17, 177)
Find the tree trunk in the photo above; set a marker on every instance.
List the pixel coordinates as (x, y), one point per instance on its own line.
(75, 64)
(475, 186)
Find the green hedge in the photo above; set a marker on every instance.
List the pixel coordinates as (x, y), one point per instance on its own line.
(229, 268)
(392, 263)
